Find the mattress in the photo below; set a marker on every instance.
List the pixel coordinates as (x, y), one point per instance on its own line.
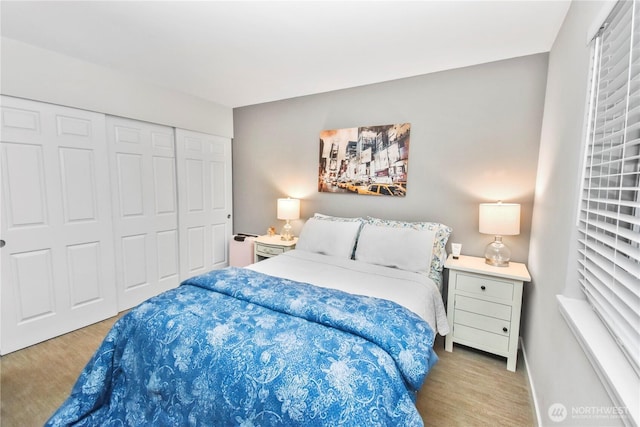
(414, 291)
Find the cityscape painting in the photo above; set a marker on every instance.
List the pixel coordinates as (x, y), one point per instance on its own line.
(369, 160)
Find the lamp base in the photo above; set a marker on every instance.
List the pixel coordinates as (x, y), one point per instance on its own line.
(286, 232)
(497, 253)
(495, 263)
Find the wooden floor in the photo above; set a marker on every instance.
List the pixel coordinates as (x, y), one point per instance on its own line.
(472, 388)
(466, 388)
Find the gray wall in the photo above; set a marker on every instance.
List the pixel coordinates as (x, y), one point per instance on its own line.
(474, 138)
(558, 367)
(42, 75)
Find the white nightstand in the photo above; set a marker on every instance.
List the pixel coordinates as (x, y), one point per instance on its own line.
(268, 246)
(484, 306)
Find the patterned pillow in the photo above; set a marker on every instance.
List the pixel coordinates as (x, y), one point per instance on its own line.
(442, 231)
(337, 218)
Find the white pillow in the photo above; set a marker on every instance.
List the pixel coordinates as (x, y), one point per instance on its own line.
(335, 238)
(439, 255)
(404, 248)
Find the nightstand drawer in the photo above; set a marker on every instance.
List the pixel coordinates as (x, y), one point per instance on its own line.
(268, 251)
(485, 308)
(270, 246)
(481, 339)
(484, 286)
(485, 323)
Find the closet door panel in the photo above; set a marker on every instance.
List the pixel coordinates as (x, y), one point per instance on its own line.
(24, 186)
(78, 190)
(57, 272)
(33, 282)
(219, 185)
(142, 157)
(205, 202)
(129, 170)
(134, 262)
(195, 188)
(196, 249)
(219, 242)
(168, 265)
(164, 172)
(83, 265)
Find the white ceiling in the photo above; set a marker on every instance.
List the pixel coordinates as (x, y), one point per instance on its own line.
(238, 53)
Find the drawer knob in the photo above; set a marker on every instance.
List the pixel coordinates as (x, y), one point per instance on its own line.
(483, 287)
(504, 329)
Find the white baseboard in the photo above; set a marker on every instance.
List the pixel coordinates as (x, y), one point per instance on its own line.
(532, 388)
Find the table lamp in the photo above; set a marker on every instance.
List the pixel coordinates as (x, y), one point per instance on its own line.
(499, 219)
(288, 209)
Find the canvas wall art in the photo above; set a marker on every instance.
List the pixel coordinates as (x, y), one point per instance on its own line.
(370, 160)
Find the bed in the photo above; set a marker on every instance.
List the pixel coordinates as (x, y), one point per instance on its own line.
(339, 331)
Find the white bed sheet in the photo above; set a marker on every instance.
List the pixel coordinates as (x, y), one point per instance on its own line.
(414, 291)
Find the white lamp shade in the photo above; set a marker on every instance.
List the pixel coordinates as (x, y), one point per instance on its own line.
(500, 219)
(288, 208)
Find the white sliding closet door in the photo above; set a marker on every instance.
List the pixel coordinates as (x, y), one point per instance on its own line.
(204, 194)
(57, 262)
(145, 209)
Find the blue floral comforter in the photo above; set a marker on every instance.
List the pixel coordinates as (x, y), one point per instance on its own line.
(237, 347)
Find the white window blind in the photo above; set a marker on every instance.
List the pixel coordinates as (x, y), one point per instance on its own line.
(609, 217)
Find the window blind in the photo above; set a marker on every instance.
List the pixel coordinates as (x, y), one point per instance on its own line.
(609, 215)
